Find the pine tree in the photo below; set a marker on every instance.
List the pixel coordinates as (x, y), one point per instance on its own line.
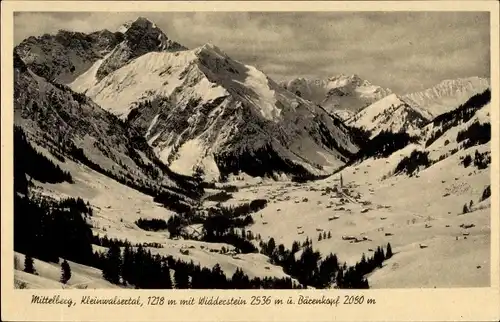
(181, 279)
(271, 245)
(127, 266)
(465, 210)
(486, 193)
(29, 267)
(329, 235)
(320, 237)
(339, 279)
(198, 174)
(388, 253)
(65, 272)
(113, 262)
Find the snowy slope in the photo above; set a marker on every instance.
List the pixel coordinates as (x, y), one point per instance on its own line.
(201, 108)
(140, 37)
(385, 208)
(390, 114)
(447, 142)
(60, 120)
(342, 95)
(117, 207)
(447, 95)
(48, 276)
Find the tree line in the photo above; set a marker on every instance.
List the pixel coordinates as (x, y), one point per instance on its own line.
(462, 114)
(411, 163)
(310, 269)
(480, 160)
(28, 161)
(384, 144)
(48, 229)
(475, 134)
(141, 269)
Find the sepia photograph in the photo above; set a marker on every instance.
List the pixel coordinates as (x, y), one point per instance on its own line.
(252, 150)
(329, 153)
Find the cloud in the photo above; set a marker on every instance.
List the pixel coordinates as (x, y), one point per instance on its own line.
(405, 51)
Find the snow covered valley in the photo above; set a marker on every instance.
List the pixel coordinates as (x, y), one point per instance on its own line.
(421, 217)
(141, 163)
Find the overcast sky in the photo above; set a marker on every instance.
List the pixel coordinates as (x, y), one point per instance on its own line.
(405, 51)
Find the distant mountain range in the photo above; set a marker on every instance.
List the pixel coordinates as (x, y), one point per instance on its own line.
(341, 95)
(447, 95)
(199, 109)
(196, 108)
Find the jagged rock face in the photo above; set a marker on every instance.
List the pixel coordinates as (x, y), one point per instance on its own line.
(140, 37)
(70, 123)
(201, 108)
(447, 95)
(64, 56)
(390, 114)
(340, 95)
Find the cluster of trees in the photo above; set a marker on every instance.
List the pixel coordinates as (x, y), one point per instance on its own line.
(480, 161)
(467, 208)
(460, 115)
(258, 163)
(219, 229)
(466, 161)
(475, 134)
(239, 210)
(141, 269)
(48, 229)
(199, 174)
(306, 177)
(486, 193)
(310, 269)
(106, 242)
(384, 144)
(175, 225)
(324, 235)
(411, 163)
(220, 196)
(173, 202)
(359, 136)
(220, 224)
(151, 224)
(353, 277)
(28, 161)
(77, 204)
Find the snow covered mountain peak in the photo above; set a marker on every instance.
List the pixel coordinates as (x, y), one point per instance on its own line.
(448, 94)
(345, 79)
(342, 95)
(199, 107)
(123, 28)
(392, 114)
(141, 37)
(140, 21)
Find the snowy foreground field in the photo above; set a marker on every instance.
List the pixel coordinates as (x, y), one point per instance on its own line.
(420, 216)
